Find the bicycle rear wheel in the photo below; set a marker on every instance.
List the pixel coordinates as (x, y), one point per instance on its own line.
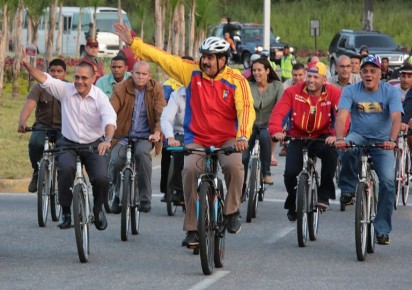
(361, 226)
(43, 190)
(373, 191)
(171, 208)
(221, 229)
(125, 219)
(407, 173)
(301, 209)
(81, 225)
(253, 187)
(313, 216)
(55, 207)
(205, 228)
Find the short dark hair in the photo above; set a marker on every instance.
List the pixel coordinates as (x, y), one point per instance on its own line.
(58, 62)
(119, 57)
(384, 58)
(88, 64)
(298, 66)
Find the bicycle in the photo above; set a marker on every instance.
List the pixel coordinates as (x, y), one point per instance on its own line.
(171, 205)
(211, 225)
(82, 190)
(402, 169)
(254, 188)
(47, 194)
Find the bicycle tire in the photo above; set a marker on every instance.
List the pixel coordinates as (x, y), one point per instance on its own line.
(135, 219)
(398, 182)
(313, 216)
(301, 209)
(43, 190)
(252, 196)
(373, 209)
(361, 227)
(205, 228)
(337, 172)
(221, 229)
(170, 207)
(108, 199)
(55, 207)
(81, 225)
(125, 219)
(405, 188)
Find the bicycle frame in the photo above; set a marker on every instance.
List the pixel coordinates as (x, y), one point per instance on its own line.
(87, 187)
(130, 164)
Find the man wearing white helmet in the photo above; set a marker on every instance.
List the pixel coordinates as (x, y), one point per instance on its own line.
(219, 112)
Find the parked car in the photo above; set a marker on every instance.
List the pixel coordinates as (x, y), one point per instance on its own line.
(349, 42)
(249, 40)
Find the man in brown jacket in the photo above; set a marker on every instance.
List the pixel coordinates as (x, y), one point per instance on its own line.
(138, 102)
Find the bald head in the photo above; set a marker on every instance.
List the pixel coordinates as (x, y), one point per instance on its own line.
(344, 68)
(141, 74)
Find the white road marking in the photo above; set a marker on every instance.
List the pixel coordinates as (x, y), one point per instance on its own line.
(205, 283)
(278, 235)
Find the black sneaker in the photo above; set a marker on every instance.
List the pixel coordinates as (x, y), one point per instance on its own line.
(383, 239)
(233, 223)
(33, 184)
(116, 208)
(292, 216)
(191, 240)
(347, 198)
(163, 199)
(145, 206)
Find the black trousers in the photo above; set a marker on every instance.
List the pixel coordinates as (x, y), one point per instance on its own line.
(294, 163)
(96, 168)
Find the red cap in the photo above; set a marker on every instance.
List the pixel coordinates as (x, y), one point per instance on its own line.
(92, 42)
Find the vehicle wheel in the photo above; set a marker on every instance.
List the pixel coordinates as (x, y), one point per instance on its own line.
(313, 216)
(337, 172)
(170, 206)
(373, 208)
(55, 207)
(125, 220)
(301, 209)
(361, 227)
(220, 234)
(135, 219)
(81, 225)
(252, 197)
(398, 181)
(43, 190)
(405, 188)
(205, 228)
(332, 67)
(246, 60)
(108, 200)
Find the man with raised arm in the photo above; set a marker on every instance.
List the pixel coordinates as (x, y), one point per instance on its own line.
(219, 112)
(375, 111)
(87, 118)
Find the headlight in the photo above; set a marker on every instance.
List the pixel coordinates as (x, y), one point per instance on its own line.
(258, 48)
(291, 49)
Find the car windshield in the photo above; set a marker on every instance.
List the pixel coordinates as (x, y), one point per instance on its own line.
(377, 41)
(255, 35)
(105, 21)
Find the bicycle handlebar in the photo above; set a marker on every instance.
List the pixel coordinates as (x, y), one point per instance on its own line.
(130, 137)
(78, 148)
(291, 138)
(34, 129)
(207, 150)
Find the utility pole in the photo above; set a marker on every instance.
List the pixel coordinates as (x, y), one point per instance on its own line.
(368, 15)
(266, 24)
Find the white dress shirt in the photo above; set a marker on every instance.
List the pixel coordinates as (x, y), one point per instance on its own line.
(173, 114)
(83, 119)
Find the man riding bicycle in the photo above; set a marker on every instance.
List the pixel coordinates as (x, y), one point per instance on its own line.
(375, 110)
(219, 112)
(311, 109)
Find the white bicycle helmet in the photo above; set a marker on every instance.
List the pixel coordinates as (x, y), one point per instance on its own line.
(215, 45)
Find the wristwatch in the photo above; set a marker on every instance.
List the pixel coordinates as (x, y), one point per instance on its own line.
(242, 138)
(392, 140)
(108, 139)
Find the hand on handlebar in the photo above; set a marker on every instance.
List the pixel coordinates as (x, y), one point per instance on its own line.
(241, 145)
(22, 127)
(330, 140)
(104, 147)
(279, 136)
(172, 142)
(154, 137)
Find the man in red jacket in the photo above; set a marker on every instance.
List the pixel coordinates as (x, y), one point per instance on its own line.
(311, 109)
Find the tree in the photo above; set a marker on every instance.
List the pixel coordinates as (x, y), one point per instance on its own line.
(368, 15)
(4, 40)
(50, 34)
(18, 27)
(160, 7)
(35, 11)
(60, 30)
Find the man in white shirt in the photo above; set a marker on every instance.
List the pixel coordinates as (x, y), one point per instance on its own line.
(87, 117)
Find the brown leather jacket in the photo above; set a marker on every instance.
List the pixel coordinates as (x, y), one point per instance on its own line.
(123, 103)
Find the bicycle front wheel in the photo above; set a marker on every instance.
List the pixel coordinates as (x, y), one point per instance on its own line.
(81, 225)
(108, 199)
(313, 216)
(125, 220)
(407, 176)
(171, 208)
(205, 228)
(221, 229)
(43, 191)
(302, 209)
(361, 225)
(398, 179)
(373, 191)
(55, 207)
(253, 190)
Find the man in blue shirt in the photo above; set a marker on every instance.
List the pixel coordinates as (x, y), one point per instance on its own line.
(118, 74)
(375, 110)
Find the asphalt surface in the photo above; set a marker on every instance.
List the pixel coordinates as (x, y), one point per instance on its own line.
(264, 255)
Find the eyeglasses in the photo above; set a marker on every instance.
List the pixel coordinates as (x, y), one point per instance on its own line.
(83, 78)
(345, 66)
(93, 46)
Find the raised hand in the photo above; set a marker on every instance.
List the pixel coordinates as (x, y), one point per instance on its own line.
(124, 33)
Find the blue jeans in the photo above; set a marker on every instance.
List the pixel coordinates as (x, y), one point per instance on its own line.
(383, 163)
(265, 149)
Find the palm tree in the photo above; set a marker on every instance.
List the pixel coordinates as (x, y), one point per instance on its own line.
(4, 39)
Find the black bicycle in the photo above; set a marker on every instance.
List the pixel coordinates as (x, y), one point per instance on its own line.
(211, 225)
(47, 194)
(171, 203)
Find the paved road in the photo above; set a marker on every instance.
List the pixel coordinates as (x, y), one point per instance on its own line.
(264, 255)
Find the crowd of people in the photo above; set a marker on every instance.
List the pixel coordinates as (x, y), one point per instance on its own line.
(207, 103)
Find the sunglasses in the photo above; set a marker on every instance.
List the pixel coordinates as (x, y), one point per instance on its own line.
(93, 46)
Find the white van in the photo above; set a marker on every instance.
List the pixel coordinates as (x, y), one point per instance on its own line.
(105, 18)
